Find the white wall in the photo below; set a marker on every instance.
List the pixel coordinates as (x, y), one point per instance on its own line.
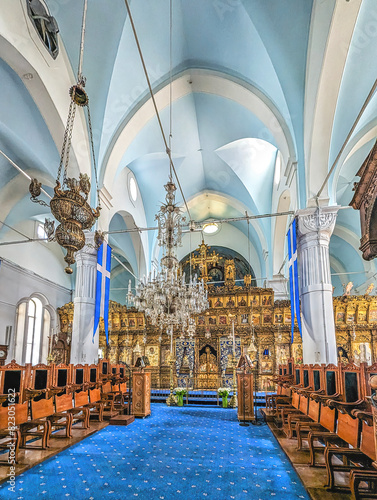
(17, 283)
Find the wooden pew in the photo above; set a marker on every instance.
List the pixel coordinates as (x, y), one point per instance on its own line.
(39, 426)
(11, 418)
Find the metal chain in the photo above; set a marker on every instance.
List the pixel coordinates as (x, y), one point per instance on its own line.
(69, 141)
(93, 154)
(64, 146)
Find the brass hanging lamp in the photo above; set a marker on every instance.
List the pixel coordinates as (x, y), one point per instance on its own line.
(69, 204)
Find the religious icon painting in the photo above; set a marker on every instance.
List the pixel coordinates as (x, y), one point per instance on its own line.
(218, 303)
(132, 323)
(242, 301)
(123, 322)
(212, 320)
(287, 319)
(278, 318)
(255, 300)
(222, 320)
(362, 316)
(372, 315)
(350, 317)
(201, 320)
(256, 319)
(230, 302)
(140, 321)
(244, 318)
(267, 318)
(340, 316)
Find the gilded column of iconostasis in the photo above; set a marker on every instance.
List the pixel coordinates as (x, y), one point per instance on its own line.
(235, 304)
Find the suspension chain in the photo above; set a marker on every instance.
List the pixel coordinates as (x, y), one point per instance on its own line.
(93, 154)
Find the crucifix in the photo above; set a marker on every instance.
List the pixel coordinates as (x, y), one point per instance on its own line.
(203, 260)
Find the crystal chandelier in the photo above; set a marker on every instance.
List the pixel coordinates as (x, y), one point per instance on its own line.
(69, 204)
(165, 298)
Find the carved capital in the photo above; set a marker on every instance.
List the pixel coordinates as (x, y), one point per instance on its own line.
(317, 220)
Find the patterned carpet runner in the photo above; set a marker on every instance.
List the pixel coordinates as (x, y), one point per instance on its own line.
(184, 453)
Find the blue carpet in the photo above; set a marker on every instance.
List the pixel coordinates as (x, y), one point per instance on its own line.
(176, 453)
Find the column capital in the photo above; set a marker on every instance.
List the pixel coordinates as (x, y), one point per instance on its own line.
(90, 247)
(317, 220)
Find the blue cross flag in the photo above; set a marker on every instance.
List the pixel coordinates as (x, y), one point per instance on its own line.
(293, 277)
(103, 288)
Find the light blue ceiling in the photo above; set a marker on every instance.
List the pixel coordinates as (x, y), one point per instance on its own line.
(264, 44)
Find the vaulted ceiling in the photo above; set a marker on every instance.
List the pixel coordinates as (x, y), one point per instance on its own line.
(264, 95)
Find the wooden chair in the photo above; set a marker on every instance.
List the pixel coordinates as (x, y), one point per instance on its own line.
(357, 432)
(104, 370)
(80, 377)
(62, 418)
(108, 399)
(11, 418)
(12, 383)
(317, 433)
(81, 411)
(95, 405)
(39, 426)
(93, 376)
(369, 477)
(309, 412)
(62, 379)
(282, 396)
(38, 381)
(317, 377)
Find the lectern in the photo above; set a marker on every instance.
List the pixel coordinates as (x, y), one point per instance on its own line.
(141, 394)
(245, 389)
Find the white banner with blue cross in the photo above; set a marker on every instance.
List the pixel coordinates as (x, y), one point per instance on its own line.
(293, 278)
(102, 288)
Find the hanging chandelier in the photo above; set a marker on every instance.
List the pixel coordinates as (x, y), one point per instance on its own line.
(69, 204)
(165, 297)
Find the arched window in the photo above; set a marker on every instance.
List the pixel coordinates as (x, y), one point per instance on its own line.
(33, 325)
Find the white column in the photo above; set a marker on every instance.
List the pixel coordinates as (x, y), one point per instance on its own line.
(314, 229)
(83, 350)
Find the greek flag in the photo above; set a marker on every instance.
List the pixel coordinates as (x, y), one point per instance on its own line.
(293, 277)
(103, 288)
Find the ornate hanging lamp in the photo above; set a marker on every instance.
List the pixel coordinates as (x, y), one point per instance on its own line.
(69, 204)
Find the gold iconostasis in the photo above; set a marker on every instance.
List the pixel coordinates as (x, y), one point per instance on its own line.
(203, 362)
